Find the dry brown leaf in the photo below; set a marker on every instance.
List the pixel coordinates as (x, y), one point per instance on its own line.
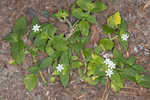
(147, 4)
(95, 34)
(127, 54)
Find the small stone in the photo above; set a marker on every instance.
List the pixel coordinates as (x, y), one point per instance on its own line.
(141, 47)
(146, 52)
(47, 93)
(135, 49)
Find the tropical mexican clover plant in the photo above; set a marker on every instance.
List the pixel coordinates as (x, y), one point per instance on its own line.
(64, 50)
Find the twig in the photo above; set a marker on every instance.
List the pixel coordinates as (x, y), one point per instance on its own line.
(107, 90)
(127, 93)
(130, 88)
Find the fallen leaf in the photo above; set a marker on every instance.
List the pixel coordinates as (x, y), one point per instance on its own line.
(147, 4)
(95, 35)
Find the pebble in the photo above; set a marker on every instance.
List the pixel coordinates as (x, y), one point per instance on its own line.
(135, 49)
(146, 52)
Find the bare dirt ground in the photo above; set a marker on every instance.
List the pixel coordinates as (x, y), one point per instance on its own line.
(11, 77)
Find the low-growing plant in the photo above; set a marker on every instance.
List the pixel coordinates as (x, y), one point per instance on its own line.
(66, 52)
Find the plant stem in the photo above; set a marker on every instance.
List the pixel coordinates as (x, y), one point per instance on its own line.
(72, 27)
(109, 36)
(69, 23)
(114, 37)
(85, 64)
(107, 90)
(42, 77)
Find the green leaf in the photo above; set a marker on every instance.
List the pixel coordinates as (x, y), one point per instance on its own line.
(62, 14)
(80, 72)
(91, 19)
(84, 27)
(130, 74)
(46, 62)
(118, 58)
(108, 30)
(34, 22)
(52, 79)
(34, 69)
(117, 82)
(123, 27)
(49, 49)
(96, 66)
(123, 30)
(74, 57)
(97, 50)
(20, 28)
(77, 12)
(12, 38)
(64, 59)
(48, 28)
(32, 51)
(76, 64)
(114, 20)
(86, 5)
(90, 81)
(17, 51)
(87, 52)
(97, 59)
(48, 31)
(64, 78)
(139, 68)
(40, 43)
(123, 43)
(30, 81)
(99, 6)
(144, 81)
(106, 44)
(59, 43)
(131, 60)
(117, 53)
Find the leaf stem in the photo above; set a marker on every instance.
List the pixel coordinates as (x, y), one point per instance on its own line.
(109, 36)
(114, 37)
(42, 77)
(69, 23)
(72, 27)
(85, 64)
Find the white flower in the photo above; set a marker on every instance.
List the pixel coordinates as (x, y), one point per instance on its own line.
(60, 67)
(111, 65)
(124, 37)
(107, 61)
(36, 28)
(109, 72)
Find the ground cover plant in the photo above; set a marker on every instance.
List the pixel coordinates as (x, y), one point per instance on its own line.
(64, 50)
